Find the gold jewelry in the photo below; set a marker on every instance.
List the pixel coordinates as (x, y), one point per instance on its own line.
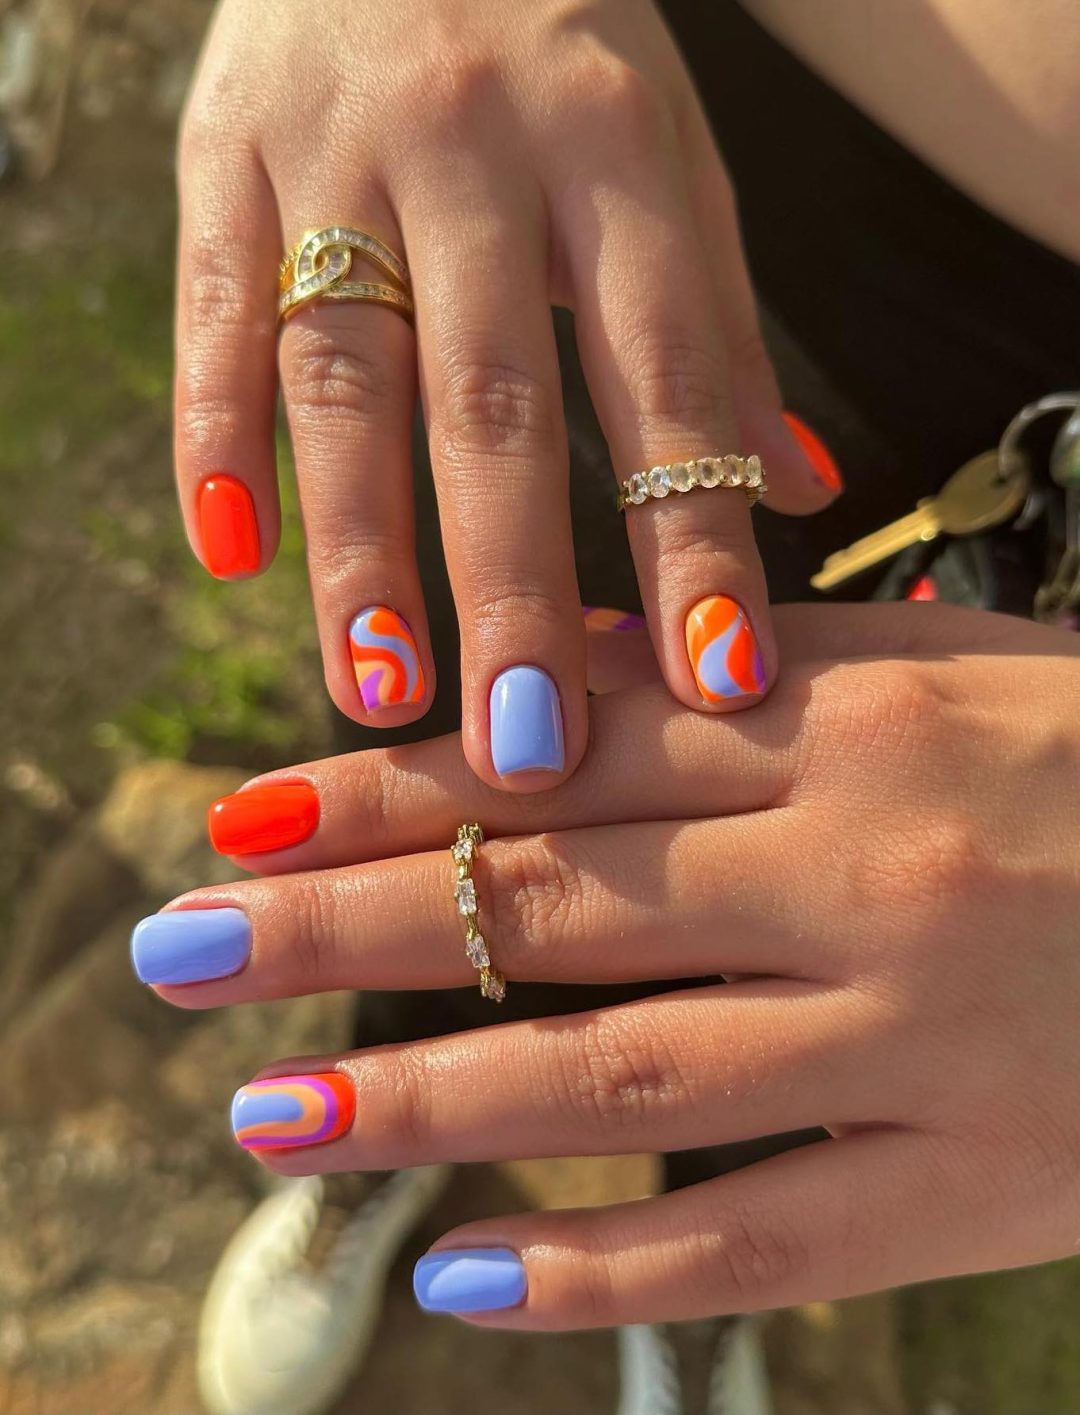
(729, 471)
(469, 840)
(318, 268)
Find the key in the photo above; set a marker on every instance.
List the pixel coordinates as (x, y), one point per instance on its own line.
(976, 498)
(1059, 597)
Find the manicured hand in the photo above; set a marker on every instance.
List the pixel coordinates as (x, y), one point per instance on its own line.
(517, 156)
(887, 858)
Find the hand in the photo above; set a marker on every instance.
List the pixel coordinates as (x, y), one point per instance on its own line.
(885, 854)
(518, 156)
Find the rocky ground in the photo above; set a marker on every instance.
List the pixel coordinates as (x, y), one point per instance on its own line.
(135, 691)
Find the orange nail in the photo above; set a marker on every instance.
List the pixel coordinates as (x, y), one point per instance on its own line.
(227, 527)
(270, 817)
(817, 454)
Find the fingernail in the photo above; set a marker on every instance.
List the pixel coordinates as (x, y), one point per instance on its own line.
(470, 1280)
(385, 659)
(228, 529)
(723, 650)
(190, 945)
(602, 621)
(286, 1112)
(270, 817)
(817, 454)
(526, 722)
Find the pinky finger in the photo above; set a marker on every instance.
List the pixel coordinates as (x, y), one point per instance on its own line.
(819, 1223)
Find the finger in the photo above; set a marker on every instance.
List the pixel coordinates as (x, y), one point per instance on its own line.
(550, 907)
(803, 477)
(650, 332)
(374, 805)
(819, 1223)
(492, 397)
(709, 1066)
(348, 370)
(226, 383)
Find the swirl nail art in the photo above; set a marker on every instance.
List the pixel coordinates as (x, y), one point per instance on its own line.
(618, 621)
(385, 659)
(723, 650)
(285, 1112)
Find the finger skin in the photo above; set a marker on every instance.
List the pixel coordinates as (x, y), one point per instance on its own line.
(493, 403)
(348, 371)
(226, 331)
(549, 906)
(708, 1066)
(650, 333)
(872, 1210)
(375, 805)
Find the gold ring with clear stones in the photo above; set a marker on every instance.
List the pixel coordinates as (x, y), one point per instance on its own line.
(708, 472)
(318, 267)
(469, 839)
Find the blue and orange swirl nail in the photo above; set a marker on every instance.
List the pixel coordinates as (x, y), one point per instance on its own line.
(723, 650)
(385, 659)
(285, 1112)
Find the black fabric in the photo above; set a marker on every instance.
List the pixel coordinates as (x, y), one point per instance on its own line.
(907, 325)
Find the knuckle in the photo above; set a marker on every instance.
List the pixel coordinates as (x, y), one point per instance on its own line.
(537, 895)
(612, 1080)
(463, 87)
(677, 378)
(325, 372)
(752, 1257)
(406, 1081)
(489, 406)
(338, 550)
(500, 606)
(617, 97)
(311, 932)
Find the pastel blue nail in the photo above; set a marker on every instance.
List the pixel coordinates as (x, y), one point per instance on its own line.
(190, 945)
(526, 722)
(470, 1280)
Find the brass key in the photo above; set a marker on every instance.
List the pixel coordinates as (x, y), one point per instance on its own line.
(975, 498)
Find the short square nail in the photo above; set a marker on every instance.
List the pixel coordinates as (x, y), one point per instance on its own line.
(286, 1112)
(723, 650)
(385, 659)
(526, 722)
(228, 527)
(470, 1280)
(261, 818)
(190, 945)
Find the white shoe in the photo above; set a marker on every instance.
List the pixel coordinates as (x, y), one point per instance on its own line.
(739, 1384)
(280, 1335)
(648, 1373)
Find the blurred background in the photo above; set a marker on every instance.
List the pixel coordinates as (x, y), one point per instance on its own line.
(136, 690)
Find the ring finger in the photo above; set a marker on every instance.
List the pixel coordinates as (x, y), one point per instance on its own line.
(348, 372)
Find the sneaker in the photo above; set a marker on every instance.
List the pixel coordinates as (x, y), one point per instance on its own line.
(648, 1372)
(293, 1304)
(739, 1380)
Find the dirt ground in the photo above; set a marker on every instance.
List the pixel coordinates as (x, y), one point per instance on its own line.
(135, 691)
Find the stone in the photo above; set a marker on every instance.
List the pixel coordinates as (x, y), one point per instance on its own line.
(659, 481)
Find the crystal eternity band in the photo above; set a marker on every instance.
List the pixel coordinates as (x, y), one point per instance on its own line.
(708, 472)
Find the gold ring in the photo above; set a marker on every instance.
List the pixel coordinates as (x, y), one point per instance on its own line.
(469, 839)
(708, 472)
(318, 269)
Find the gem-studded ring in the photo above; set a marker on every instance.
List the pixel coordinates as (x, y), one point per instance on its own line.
(318, 269)
(708, 472)
(469, 839)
